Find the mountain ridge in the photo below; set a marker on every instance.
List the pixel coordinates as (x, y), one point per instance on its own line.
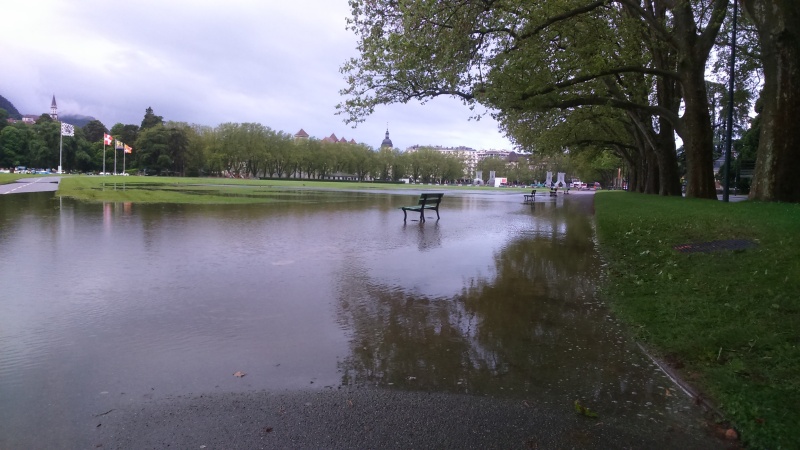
(77, 120)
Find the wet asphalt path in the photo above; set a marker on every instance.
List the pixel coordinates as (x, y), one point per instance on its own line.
(372, 418)
(28, 185)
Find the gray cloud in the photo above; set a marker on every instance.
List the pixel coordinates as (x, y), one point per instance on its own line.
(208, 62)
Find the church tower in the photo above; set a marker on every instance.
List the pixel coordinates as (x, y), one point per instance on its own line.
(386, 141)
(54, 109)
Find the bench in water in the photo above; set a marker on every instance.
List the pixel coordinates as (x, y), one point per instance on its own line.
(530, 197)
(426, 201)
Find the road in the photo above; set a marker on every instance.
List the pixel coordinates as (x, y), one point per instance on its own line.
(28, 185)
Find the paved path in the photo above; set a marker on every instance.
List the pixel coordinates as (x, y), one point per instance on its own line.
(372, 418)
(28, 185)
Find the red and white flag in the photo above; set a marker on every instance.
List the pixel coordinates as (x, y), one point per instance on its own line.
(107, 139)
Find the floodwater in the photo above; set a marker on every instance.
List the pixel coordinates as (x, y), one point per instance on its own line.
(112, 304)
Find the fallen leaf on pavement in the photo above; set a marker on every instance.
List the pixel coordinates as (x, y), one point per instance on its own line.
(580, 409)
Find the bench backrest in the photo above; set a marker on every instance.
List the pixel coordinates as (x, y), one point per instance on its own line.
(429, 199)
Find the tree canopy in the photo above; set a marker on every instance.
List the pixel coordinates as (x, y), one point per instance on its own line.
(533, 64)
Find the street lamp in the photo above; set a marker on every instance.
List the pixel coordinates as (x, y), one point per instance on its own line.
(725, 194)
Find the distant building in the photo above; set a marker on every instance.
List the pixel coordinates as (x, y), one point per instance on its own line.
(386, 141)
(333, 139)
(30, 119)
(718, 163)
(301, 134)
(330, 139)
(54, 109)
(469, 155)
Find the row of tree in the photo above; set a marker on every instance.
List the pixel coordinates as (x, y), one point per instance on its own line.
(254, 150)
(625, 76)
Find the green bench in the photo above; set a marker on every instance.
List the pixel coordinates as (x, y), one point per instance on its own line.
(426, 201)
(530, 197)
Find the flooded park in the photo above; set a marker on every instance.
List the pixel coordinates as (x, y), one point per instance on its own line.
(114, 306)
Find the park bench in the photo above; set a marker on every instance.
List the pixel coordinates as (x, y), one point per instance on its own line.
(530, 197)
(426, 201)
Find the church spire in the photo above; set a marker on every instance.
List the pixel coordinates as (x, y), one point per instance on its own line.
(54, 109)
(387, 142)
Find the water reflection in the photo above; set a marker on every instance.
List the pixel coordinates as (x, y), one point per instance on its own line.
(428, 235)
(528, 324)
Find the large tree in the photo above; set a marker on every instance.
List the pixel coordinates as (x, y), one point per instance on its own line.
(94, 131)
(128, 134)
(14, 145)
(495, 164)
(151, 120)
(778, 160)
(519, 57)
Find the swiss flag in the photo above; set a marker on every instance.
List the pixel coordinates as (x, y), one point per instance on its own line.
(107, 139)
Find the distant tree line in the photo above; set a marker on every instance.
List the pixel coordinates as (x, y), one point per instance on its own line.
(252, 150)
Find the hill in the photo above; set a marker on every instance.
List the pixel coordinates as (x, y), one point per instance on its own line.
(76, 119)
(9, 107)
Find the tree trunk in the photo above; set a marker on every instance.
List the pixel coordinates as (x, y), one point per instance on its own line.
(698, 138)
(667, 153)
(641, 164)
(651, 187)
(636, 171)
(633, 175)
(778, 159)
(695, 129)
(669, 182)
(662, 157)
(664, 58)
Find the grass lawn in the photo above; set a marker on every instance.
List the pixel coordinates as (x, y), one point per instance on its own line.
(211, 190)
(11, 177)
(729, 321)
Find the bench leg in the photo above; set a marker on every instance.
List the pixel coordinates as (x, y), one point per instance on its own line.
(404, 215)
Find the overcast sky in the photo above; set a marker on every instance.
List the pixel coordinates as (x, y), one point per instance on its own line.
(271, 62)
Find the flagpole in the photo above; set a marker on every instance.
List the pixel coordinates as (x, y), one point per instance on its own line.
(115, 158)
(123, 159)
(60, 148)
(104, 154)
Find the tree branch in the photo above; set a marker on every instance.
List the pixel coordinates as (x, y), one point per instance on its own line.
(612, 71)
(594, 100)
(558, 18)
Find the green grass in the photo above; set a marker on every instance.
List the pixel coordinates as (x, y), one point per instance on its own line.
(6, 178)
(211, 190)
(729, 320)
(165, 190)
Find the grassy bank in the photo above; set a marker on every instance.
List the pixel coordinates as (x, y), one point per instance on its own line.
(11, 177)
(728, 320)
(209, 190)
